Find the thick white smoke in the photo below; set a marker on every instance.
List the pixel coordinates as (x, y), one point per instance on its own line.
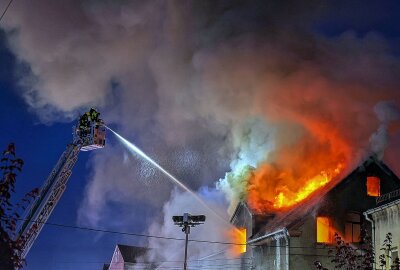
(253, 141)
(213, 230)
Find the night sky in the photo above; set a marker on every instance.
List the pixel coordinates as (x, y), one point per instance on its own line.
(207, 88)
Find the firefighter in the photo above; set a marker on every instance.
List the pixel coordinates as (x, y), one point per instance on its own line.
(94, 115)
(83, 124)
(83, 120)
(88, 119)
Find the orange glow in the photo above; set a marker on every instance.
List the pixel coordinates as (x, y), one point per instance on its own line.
(237, 236)
(373, 186)
(282, 200)
(279, 189)
(309, 154)
(324, 230)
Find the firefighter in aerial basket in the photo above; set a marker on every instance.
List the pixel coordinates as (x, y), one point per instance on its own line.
(84, 124)
(94, 115)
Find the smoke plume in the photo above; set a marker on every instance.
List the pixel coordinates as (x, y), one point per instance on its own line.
(388, 114)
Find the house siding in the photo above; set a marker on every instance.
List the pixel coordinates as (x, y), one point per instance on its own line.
(304, 250)
(386, 219)
(117, 262)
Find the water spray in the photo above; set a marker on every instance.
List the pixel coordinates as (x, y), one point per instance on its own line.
(134, 149)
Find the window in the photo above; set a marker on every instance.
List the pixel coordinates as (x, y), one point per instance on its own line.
(395, 254)
(352, 228)
(243, 240)
(324, 225)
(373, 186)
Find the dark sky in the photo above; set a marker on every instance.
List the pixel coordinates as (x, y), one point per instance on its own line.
(182, 80)
(40, 146)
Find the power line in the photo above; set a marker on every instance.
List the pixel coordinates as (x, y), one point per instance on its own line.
(160, 237)
(5, 10)
(129, 233)
(207, 267)
(151, 262)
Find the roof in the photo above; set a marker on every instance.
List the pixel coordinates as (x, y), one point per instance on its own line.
(383, 206)
(239, 208)
(388, 197)
(131, 253)
(295, 216)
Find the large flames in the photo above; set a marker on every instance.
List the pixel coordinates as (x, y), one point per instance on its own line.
(269, 190)
(296, 172)
(287, 198)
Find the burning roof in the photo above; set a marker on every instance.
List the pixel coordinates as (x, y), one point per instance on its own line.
(290, 217)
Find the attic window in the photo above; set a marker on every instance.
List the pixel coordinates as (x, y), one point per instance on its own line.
(324, 225)
(373, 186)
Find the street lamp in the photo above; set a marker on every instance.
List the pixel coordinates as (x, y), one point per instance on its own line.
(186, 221)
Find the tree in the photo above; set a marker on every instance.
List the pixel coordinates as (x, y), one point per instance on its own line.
(10, 247)
(385, 257)
(348, 257)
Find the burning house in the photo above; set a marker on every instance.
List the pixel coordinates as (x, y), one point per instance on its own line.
(295, 237)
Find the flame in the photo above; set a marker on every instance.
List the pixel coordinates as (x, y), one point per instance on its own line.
(324, 226)
(326, 230)
(286, 200)
(373, 186)
(238, 236)
(297, 171)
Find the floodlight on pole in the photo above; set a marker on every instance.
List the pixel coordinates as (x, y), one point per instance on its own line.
(186, 221)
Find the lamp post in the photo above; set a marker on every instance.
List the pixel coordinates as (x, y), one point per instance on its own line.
(186, 221)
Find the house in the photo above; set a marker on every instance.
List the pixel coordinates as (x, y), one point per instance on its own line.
(297, 237)
(127, 258)
(385, 218)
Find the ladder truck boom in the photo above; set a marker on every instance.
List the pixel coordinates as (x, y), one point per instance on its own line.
(88, 135)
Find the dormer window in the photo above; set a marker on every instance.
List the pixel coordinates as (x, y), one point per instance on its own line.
(373, 186)
(324, 229)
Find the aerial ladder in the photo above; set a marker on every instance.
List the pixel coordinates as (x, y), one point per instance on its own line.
(88, 134)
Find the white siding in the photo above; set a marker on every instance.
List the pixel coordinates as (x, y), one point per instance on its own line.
(386, 219)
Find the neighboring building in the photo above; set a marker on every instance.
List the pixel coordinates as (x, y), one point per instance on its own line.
(385, 218)
(295, 239)
(127, 258)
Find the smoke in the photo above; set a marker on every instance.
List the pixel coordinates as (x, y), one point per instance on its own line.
(253, 141)
(387, 113)
(211, 90)
(212, 230)
(69, 50)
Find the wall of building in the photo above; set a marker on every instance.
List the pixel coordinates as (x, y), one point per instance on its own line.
(244, 219)
(304, 250)
(387, 219)
(117, 262)
(271, 254)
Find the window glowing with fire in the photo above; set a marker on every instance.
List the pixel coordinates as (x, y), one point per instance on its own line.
(239, 237)
(373, 186)
(324, 229)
